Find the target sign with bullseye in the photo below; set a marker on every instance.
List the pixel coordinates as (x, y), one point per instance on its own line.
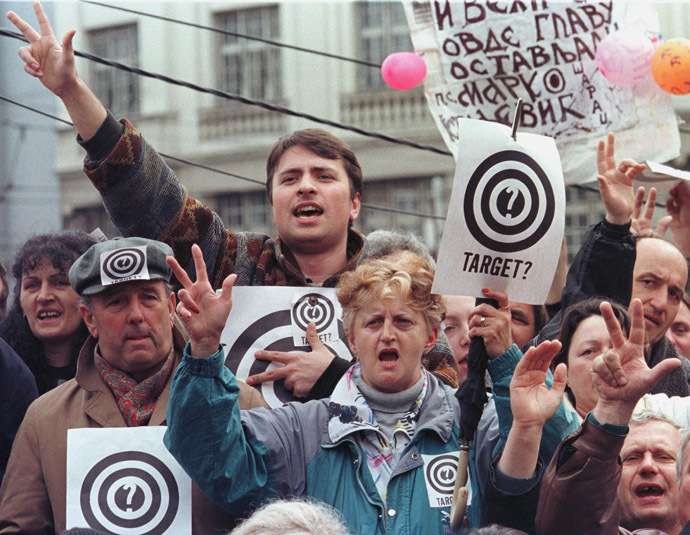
(129, 485)
(505, 217)
(124, 264)
(276, 319)
(509, 202)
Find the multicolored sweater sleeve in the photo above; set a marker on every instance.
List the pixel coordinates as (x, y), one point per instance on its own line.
(144, 198)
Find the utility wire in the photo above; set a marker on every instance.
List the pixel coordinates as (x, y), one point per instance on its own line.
(236, 34)
(226, 173)
(245, 100)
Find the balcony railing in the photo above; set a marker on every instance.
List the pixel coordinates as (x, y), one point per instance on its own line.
(231, 121)
(386, 110)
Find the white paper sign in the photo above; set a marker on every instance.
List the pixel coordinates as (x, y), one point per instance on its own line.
(482, 56)
(124, 481)
(440, 473)
(660, 176)
(506, 215)
(276, 319)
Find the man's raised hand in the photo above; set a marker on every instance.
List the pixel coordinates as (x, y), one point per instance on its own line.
(616, 182)
(203, 312)
(44, 57)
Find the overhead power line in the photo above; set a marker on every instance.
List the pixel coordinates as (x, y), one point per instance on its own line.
(244, 100)
(220, 171)
(236, 34)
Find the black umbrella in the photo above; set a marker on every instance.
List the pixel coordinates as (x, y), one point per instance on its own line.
(472, 398)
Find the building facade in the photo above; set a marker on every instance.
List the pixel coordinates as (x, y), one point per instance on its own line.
(234, 137)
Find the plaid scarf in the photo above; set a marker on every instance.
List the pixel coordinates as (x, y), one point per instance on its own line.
(136, 401)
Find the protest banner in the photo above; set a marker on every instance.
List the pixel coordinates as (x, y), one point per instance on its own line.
(482, 56)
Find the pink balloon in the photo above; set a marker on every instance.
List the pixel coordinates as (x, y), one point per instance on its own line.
(403, 70)
(624, 57)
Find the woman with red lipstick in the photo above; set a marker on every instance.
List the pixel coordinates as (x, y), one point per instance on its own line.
(383, 449)
(44, 325)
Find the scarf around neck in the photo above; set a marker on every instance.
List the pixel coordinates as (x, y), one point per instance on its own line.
(136, 401)
(350, 414)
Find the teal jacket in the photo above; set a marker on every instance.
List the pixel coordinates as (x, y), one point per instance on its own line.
(241, 459)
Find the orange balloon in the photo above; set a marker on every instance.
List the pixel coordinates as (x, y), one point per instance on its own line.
(671, 66)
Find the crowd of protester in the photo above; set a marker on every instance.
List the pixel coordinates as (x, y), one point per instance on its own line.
(586, 423)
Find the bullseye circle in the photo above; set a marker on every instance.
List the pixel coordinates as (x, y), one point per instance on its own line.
(130, 493)
(441, 473)
(509, 202)
(313, 308)
(124, 263)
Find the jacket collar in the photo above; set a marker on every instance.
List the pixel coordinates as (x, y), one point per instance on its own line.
(99, 403)
(356, 243)
(437, 412)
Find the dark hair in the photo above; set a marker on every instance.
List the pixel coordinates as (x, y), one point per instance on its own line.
(321, 143)
(574, 315)
(62, 248)
(5, 291)
(541, 318)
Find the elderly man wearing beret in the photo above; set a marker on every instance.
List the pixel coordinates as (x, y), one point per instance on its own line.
(123, 380)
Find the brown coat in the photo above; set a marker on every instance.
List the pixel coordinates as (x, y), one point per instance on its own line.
(579, 490)
(32, 496)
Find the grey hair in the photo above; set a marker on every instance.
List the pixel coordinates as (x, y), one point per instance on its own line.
(87, 300)
(684, 439)
(382, 243)
(293, 517)
(645, 415)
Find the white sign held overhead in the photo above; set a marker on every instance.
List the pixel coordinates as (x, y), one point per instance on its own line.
(506, 215)
(276, 319)
(129, 484)
(482, 56)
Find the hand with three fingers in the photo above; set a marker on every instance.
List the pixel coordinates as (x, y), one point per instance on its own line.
(621, 374)
(44, 57)
(202, 311)
(641, 224)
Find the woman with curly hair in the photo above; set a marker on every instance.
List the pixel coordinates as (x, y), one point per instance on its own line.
(44, 325)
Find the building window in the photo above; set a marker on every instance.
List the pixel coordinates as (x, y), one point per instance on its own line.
(247, 67)
(118, 90)
(91, 218)
(383, 30)
(248, 212)
(404, 195)
(583, 208)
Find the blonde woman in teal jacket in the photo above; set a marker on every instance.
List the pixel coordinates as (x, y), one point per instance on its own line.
(382, 450)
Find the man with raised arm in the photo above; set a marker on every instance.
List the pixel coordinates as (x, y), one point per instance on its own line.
(314, 184)
(584, 489)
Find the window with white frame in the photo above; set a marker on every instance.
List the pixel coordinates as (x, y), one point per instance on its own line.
(383, 30)
(246, 211)
(117, 89)
(245, 66)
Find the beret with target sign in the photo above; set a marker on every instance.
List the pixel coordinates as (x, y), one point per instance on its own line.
(119, 260)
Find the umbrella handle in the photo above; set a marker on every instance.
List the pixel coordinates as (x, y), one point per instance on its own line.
(460, 492)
